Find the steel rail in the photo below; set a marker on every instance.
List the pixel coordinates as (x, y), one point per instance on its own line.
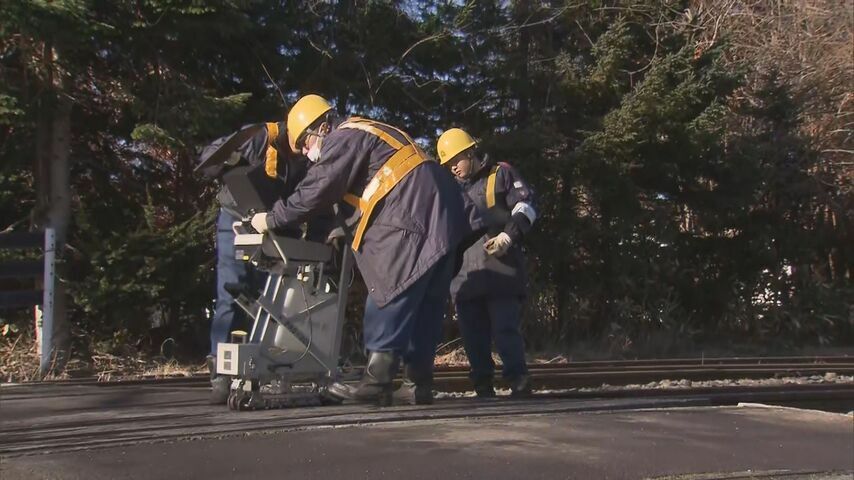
(612, 372)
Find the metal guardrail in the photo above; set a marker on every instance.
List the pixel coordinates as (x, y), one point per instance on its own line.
(24, 271)
(19, 240)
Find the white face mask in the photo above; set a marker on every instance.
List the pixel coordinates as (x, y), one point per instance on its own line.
(314, 153)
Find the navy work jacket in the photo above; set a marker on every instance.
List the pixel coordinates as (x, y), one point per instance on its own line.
(290, 169)
(483, 275)
(423, 218)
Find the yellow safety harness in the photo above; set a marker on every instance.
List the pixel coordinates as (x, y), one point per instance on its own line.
(490, 187)
(404, 160)
(272, 155)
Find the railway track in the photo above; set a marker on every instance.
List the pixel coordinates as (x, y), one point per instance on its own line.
(583, 374)
(85, 414)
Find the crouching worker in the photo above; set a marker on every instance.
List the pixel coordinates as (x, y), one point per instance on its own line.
(264, 148)
(411, 219)
(490, 287)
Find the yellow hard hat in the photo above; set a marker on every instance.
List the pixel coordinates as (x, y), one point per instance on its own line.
(305, 112)
(451, 143)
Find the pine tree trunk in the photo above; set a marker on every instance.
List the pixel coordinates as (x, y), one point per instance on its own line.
(53, 204)
(59, 217)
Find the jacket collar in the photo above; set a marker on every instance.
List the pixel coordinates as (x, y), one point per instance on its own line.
(485, 167)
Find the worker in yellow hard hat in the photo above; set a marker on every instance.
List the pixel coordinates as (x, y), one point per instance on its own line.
(489, 289)
(411, 219)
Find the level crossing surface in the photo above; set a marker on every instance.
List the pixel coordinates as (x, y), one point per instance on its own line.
(617, 444)
(167, 431)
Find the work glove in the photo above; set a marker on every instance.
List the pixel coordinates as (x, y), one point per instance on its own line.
(498, 245)
(259, 222)
(335, 237)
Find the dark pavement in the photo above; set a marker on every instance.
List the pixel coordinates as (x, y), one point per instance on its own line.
(582, 445)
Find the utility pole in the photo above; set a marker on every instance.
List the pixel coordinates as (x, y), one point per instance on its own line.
(53, 211)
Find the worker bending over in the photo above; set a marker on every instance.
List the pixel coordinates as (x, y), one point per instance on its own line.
(411, 220)
(266, 150)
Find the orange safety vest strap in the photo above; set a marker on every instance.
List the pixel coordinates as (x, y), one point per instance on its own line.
(386, 138)
(272, 132)
(367, 127)
(404, 160)
(395, 169)
(374, 122)
(272, 155)
(353, 200)
(490, 187)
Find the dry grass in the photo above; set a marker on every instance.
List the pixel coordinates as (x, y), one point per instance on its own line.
(452, 354)
(19, 362)
(19, 359)
(453, 358)
(112, 367)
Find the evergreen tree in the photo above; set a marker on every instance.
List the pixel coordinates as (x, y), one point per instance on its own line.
(690, 189)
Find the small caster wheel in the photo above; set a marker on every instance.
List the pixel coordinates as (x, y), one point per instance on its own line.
(243, 403)
(234, 399)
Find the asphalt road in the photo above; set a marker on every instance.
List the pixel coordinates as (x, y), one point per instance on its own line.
(726, 442)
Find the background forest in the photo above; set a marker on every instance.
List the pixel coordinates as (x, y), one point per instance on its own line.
(694, 160)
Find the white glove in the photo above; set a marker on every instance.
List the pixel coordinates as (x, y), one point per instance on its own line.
(259, 222)
(498, 245)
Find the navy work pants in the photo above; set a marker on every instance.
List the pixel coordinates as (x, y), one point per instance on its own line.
(486, 318)
(228, 270)
(411, 324)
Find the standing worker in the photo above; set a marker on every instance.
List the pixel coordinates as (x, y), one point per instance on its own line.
(489, 289)
(411, 220)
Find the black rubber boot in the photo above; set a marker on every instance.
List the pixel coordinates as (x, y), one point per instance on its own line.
(376, 384)
(520, 386)
(417, 388)
(220, 384)
(483, 387)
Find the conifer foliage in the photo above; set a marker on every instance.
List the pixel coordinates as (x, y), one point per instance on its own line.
(693, 159)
